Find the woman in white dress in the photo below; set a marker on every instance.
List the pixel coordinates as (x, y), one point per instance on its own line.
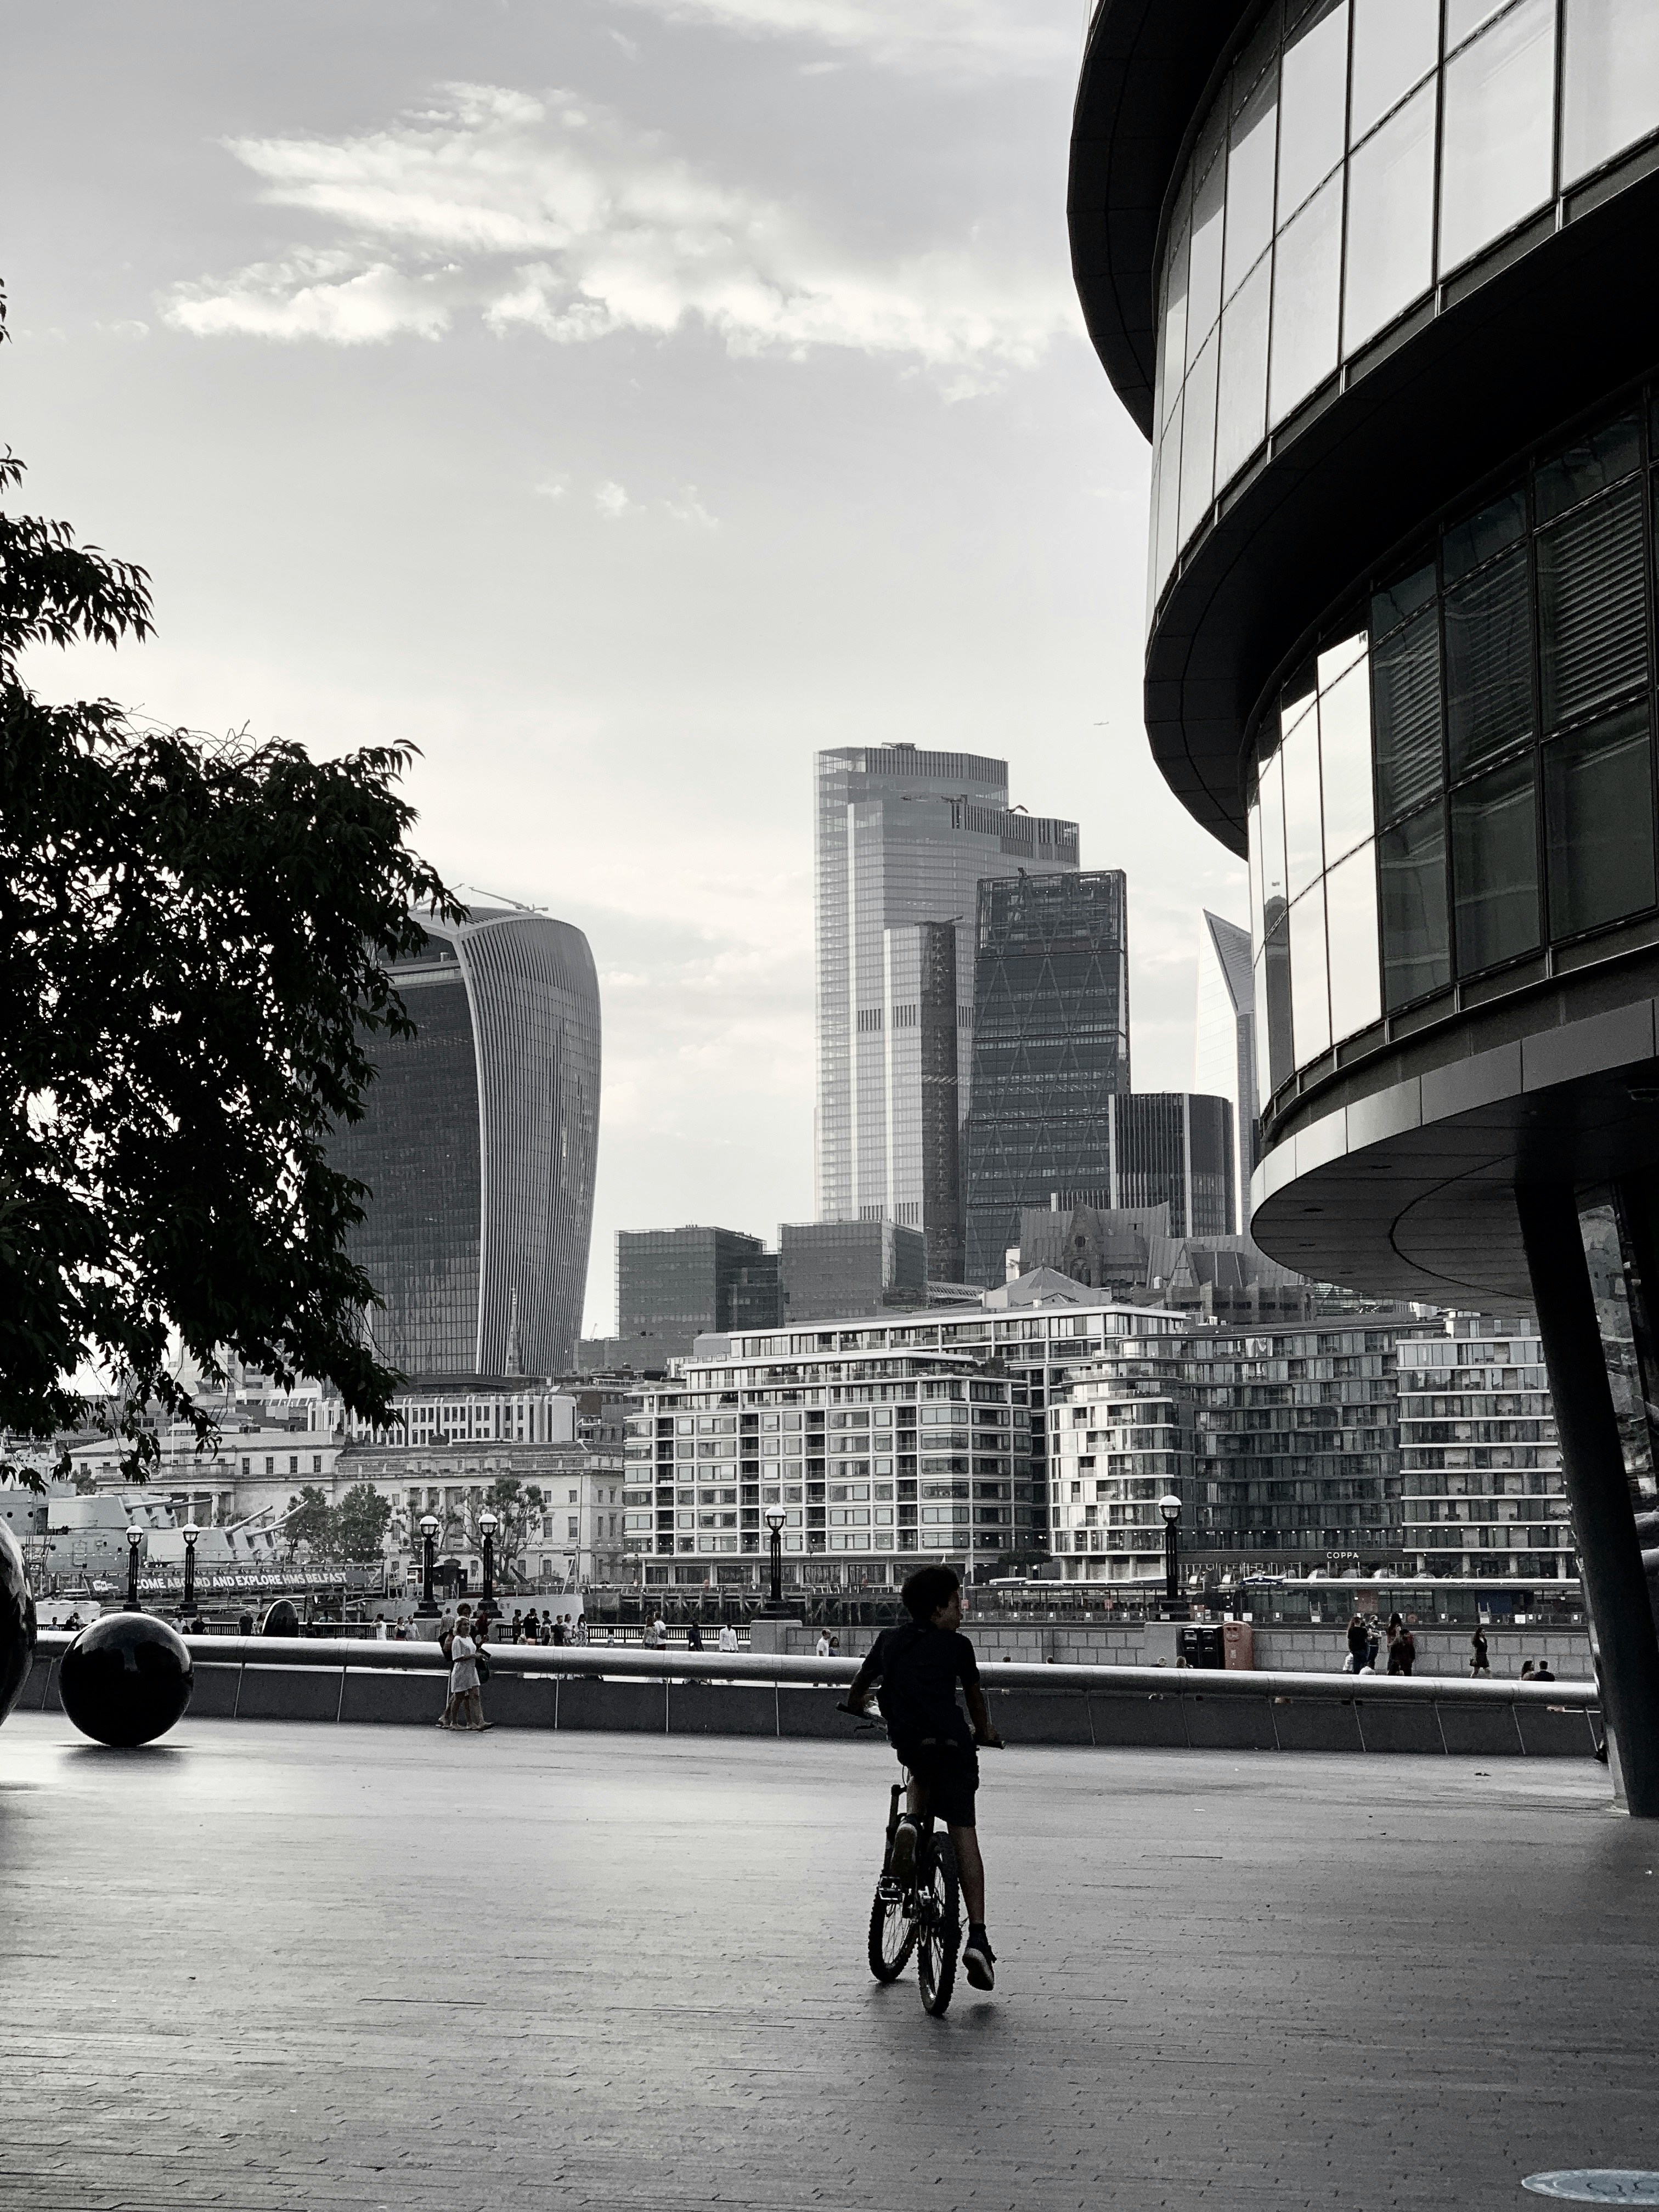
(463, 1676)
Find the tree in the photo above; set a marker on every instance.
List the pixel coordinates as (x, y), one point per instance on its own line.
(360, 1522)
(311, 1522)
(193, 940)
(515, 1507)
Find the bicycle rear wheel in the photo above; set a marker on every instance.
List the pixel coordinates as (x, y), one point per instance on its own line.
(892, 1935)
(939, 1932)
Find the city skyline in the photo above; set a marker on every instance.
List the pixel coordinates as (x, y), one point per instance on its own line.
(967, 580)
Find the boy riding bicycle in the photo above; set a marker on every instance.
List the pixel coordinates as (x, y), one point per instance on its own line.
(918, 1665)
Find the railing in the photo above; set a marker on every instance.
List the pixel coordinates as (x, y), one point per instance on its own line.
(627, 1663)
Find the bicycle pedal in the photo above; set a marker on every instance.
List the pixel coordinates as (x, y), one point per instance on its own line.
(888, 1892)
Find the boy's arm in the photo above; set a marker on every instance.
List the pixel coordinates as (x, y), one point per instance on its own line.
(863, 1684)
(980, 1713)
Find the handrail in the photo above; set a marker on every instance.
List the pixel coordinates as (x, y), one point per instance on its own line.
(367, 1654)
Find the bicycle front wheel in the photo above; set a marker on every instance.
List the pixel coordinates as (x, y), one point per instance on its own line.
(892, 1936)
(940, 1933)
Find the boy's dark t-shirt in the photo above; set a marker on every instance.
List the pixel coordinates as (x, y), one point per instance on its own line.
(920, 1669)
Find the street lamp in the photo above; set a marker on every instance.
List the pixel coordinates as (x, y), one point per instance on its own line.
(775, 1519)
(489, 1522)
(135, 1537)
(188, 1604)
(1170, 1506)
(427, 1607)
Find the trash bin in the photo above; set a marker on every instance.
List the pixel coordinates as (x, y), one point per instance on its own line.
(1201, 1645)
(1238, 1641)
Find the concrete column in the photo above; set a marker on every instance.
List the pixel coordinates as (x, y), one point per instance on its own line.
(1593, 1464)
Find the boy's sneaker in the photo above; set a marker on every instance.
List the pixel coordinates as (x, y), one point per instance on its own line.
(980, 1960)
(904, 1864)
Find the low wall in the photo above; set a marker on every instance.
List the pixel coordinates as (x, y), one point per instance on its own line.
(1440, 1652)
(630, 1692)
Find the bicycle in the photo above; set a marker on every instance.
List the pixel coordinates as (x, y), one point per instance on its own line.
(923, 1915)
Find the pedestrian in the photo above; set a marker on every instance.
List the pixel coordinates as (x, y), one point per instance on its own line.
(461, 1652)
(379, 1628)
(1478, 1663)
(835, 1647)
(659, 1627)
(1528, 1670)
(1543, 1672)
(580, 1636)
(728, 1637)
(1402, 1646)
(821, 1649)
(245, 1624)
(1358, 1643)
(693, 1635)
(555, 1634)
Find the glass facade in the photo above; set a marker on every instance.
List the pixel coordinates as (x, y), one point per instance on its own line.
(1357, 153)
(1467, 775)
(903, 839)
(1051, 1047)
(1480, 1481)
(672, 1285)
(478, 1145)
(850, 1266)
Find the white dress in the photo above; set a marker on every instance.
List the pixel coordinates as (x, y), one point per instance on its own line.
(463, 1664)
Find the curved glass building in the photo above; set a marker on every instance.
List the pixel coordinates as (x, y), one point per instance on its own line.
(479, 1143)
(1370, 274)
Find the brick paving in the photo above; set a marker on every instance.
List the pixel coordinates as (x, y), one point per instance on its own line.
(281, 1967)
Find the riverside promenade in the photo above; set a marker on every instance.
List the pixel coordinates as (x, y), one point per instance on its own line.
(273, 1966)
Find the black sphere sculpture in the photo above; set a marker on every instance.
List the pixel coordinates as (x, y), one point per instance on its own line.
(127, 1679)
(281, 1621)
(16, 1622)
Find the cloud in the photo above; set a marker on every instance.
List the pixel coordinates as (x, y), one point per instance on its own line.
(956, 37)
(613, 501)
(551, 488)
(688, 507)
(552, 215)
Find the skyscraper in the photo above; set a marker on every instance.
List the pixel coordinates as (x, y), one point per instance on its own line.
(1050, 1048)
(478, 1145)
(1223, 1060)
(903, 839)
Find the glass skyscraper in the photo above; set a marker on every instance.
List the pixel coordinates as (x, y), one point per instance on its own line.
(1050, 1048)
(903, 839)
(1224, 1062)
(674, 1284)
(479, 1144)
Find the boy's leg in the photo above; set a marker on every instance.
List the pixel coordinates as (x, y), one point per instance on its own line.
(970, 1871)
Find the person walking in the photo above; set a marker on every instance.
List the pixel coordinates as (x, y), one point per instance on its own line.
(821, 1649)
(1478, 1662)
(1358, 1641)
(1402, 1646)
(693, 1635)
(728, 1637)
(465, 1711)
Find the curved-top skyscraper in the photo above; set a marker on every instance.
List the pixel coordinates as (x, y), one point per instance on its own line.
(1373, 277)
(479, 1143)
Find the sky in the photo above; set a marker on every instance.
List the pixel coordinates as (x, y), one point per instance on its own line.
(619, 400)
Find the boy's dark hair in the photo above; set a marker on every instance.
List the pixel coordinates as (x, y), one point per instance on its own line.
(927, 1589)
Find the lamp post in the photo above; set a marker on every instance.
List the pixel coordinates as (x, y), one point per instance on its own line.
(489, 1522)
(775, 1519)
(1170, 1506)
(188, 1604)
(135, 1537)
(427, 1607)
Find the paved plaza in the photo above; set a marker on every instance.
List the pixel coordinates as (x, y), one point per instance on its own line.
(286, 1967)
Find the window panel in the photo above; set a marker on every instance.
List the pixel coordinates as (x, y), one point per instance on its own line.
(1351, 930)
(1169, 494)
(1469, 544)
(1271, 795)
(1398, 601)
(1204, 258)
(1250, 179)
(1495, 867)
(1396, 44)
(1198, 440)
(1311, 1003)
(1592, 605)
(1306, 301)
(1489, 661)
(1172, 354)
(1345, 759)
(1609, 81)
(1406, 702)
(1254, 844)
(1390, 220)
(1305, 845)
(1416, 942)
(1589, 464)
(1598, 816)
(1241, 402)
(1312, 96)
(1496, 159)
(1465, 17)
